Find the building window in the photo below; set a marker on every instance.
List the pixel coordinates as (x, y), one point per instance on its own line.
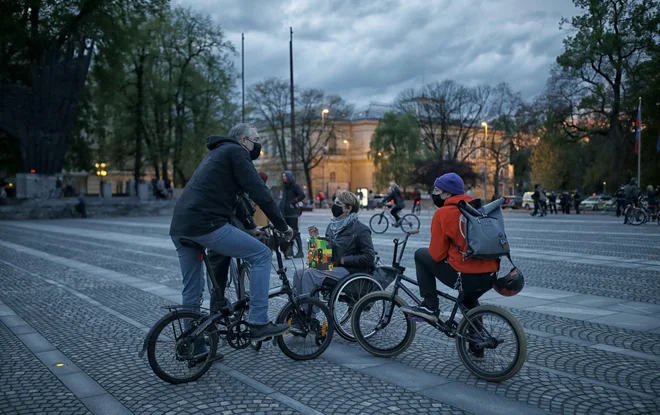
(333, 177)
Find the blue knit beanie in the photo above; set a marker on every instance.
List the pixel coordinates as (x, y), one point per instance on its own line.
(450, 183)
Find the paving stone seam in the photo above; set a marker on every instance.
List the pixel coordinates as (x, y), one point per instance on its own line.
(87, 399)
(104, 273)
(278, 396)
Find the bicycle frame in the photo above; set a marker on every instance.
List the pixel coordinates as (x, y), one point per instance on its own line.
(447, 328)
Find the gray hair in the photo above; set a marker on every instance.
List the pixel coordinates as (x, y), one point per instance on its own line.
(241, 130)
(348, 199)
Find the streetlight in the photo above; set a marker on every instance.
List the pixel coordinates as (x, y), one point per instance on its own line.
(485, 125)
(101, 172)
(323, 112)
(604, 184)
(348, 164)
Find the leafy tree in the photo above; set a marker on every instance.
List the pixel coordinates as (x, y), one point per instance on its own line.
(395, 147)
(605, 44)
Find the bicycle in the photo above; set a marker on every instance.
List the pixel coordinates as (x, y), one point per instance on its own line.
(375, 312)
(417, 207)
(380, 222)
(635, 214)
(309, 319)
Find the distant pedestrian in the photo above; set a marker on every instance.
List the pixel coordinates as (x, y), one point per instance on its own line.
(536, 197)
(620, 197)
(552, 202)
(370, 200)
(58, 187)
(577, 198)
(81, 206)
(3, 196)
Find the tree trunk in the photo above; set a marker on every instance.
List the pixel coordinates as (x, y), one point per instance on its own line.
(308, 179)
(139, 127)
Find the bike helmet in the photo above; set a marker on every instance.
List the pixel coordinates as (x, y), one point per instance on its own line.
(510, 284)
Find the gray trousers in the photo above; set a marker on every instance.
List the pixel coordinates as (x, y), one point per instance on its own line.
(305, 281)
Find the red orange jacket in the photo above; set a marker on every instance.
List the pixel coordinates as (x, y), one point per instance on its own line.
(446, 234)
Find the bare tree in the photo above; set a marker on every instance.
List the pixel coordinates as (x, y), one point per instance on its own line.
(270, 99)
(312, 135)
(449, 115)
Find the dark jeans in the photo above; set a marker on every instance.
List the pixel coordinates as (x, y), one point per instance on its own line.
(553, 207)
(395, 212)
(577, 207)
(537, 207)
(620, 207)
(474, 285)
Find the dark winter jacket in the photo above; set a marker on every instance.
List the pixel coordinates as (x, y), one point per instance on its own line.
(292, 194)
(396, 197)
(354, 246)
(632, 193)
(208, 201)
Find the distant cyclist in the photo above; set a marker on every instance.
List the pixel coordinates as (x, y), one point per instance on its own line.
(399, 203)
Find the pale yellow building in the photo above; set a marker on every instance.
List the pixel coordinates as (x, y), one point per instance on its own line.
(347, 163)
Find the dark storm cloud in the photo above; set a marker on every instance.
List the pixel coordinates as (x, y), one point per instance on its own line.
(371, 50)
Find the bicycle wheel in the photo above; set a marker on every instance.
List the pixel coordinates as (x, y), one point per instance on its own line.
(172, 355)
(431, 211)
(636, 216)
(495, 349)
(409, 222)
(311, 329)
(379, 223)
(348, 291)
(375, 332)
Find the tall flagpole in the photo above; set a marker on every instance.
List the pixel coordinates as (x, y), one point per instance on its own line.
(293, 111)
(243, 77)
(639, 148)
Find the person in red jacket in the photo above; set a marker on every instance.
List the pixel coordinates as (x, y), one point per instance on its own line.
(443, 260)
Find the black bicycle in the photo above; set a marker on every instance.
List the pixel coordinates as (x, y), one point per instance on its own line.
(381, 221)
(173, 344)
(489, 340)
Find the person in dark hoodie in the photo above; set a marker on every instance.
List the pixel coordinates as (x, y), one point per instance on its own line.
(291, 196)
(203, 214)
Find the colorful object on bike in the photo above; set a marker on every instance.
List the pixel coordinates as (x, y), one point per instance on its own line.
(324, 328)
(319, 255)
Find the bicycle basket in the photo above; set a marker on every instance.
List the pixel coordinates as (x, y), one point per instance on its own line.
(385, 275)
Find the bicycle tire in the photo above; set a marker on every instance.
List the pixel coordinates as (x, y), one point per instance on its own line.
(156, 331)
(352, 293)
(364, 339)
(285, 315)
(431, 211)
(462, 348)
(381, 218)
(410, 222)
(633, 216)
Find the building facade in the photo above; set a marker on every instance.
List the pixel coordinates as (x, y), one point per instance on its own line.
(346, 162)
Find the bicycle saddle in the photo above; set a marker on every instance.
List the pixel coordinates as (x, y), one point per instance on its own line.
(188, 242)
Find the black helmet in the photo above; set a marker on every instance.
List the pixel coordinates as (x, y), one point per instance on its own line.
(510, 284)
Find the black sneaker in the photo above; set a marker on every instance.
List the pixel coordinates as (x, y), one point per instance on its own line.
(259, 332)
(423, 311)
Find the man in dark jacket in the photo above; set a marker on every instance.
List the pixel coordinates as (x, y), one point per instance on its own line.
(577, 198)
(552, 202)
(536, 197)
(203, 213)
(399, 203)
(291, 196)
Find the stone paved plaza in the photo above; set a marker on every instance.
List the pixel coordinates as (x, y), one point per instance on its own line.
(84, 293)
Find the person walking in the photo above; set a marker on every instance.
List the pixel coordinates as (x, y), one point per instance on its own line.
(577, 198)
(536, 197)
(620, 197)
(552, 201)
(291, 196)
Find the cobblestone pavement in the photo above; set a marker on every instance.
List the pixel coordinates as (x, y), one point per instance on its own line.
(78, 297)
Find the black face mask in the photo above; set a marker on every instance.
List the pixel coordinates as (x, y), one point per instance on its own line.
(256, 151)
(438, 201)
(337, 210)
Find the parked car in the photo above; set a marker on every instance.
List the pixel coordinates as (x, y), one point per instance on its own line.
(527, 201)
(595, 203)
(513, 202)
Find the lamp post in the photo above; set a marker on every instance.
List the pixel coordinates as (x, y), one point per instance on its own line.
(323, 112)
(604, 184)
(348, 164)
(101, 172)
(485, 125)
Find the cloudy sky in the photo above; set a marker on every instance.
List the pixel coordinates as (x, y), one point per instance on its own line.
(369, 50)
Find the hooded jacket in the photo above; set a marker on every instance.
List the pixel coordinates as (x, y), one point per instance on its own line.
(446, 234)
(292, 194)
(396, 197)
(209, 199)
